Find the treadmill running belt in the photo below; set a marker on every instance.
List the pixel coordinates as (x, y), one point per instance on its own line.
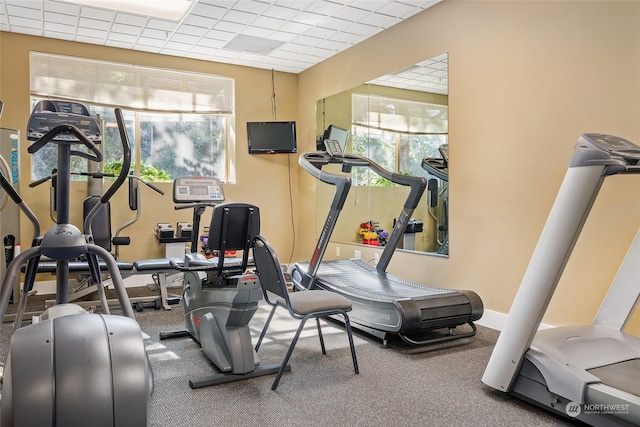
(358, 278)
(622, 376)
(385, 304)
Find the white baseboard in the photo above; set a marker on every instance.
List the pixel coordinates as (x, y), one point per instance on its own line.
(496, 320)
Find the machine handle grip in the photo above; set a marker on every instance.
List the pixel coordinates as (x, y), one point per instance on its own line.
(47, 137)
(126, 162)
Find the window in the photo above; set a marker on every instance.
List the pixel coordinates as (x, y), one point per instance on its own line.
(396, 133)
(178, 122)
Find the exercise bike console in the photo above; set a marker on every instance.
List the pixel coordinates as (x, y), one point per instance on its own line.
(197, 189)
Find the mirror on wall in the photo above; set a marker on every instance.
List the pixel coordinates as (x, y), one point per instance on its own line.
(399, 120)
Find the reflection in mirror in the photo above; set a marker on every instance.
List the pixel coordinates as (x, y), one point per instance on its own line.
(401, 122)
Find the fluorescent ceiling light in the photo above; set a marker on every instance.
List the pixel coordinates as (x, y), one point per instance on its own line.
(166, 9)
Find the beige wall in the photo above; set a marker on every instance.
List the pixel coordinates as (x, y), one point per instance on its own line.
(526, 79)
(261, 180)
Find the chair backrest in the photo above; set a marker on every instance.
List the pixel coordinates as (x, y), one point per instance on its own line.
(268, 269)
(233, 227)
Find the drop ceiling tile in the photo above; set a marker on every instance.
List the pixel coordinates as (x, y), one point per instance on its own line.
(154, 34)
(185, 39)
(58, 28)
(62, 7)
(94, 13)
(150, 42)
(278, 11)
(308, 18)
(178, 47)
(25, 22)
(251, 6)
(130, 19)
(399, 10)
(122, 38)
(380, 20)
(283, 35)
(92, 33)
(361, 30)
(352, 13)
(208, 11)
(324, 8)
(296, 27)
(321, 33)
(346, 38)
(160, 24)
(268, 22)
(22, 12)
(212, 43)
(257, 32)
(126, 29)
(239, 17)
(59, 18)
(217, 34)
(192, 30)
(58, 35)
(230, 27)
(34, 30)
(120, 44)
(199, 21)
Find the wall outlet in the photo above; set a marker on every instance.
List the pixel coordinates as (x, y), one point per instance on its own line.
(337, 250)
(376, 257)
(357, 254)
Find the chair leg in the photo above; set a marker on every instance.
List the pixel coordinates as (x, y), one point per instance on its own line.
(288, 355)
(353, 349)
(324, 351)
(266, 326)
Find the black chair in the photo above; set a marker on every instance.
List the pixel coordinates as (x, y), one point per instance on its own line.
(302, 305)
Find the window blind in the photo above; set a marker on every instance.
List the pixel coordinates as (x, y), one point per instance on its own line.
(399, 115)
(130, 86)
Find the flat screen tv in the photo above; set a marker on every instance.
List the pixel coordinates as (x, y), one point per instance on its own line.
(271, 137)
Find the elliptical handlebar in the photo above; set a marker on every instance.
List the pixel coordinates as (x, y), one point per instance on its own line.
(126, 163)
(47, 137)
(122, 176)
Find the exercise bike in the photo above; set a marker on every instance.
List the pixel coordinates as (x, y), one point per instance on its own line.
(70, 367)
(220, 296)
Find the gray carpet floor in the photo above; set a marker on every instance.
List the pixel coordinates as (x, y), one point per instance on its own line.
(397, 386)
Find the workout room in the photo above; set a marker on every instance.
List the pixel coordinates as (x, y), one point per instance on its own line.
(504, 92)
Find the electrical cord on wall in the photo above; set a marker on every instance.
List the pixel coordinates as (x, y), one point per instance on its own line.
(274, 112)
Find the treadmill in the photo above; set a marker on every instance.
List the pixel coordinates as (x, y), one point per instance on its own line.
(586, 372)
(383, 305)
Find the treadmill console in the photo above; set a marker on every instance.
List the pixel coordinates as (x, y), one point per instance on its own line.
(333, 147)
(197, 189)
(614, 145)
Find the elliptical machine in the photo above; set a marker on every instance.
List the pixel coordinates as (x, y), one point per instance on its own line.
(220, 296)
(69, 367)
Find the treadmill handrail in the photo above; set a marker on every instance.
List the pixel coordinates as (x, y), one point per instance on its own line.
(313, 162)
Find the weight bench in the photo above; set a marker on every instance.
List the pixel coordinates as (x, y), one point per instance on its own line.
(158, 268)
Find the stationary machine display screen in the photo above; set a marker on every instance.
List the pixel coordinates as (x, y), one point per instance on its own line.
(333, 147)
(48, 114)
(195, 189)
(271, 137)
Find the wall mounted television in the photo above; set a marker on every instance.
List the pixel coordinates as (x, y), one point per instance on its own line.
(271, 137)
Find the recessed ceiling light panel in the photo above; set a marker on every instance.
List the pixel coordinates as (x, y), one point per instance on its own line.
(251, 44)
(165, 9)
